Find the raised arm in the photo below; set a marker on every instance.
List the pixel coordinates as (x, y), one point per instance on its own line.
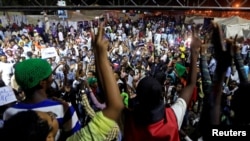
(235, 52)
(206, 88)
(187, 92)
(114, 104)
(205, 76)
(224, 60)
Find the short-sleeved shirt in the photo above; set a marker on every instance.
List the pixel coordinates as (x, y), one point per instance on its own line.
(97, 129)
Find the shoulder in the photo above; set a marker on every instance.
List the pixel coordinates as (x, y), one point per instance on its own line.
(10, 111)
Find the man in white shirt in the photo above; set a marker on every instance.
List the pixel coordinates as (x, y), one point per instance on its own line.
(40, 24)
(6, 70)
(244, 50)
(60, 36)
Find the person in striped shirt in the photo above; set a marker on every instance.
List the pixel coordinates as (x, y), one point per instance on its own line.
(34, 76)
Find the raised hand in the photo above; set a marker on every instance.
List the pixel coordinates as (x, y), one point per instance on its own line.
(217, 40)
(234, 48)
(222, 52)
(100, 43)
(106, 78)
(196, 42)
(204, 46)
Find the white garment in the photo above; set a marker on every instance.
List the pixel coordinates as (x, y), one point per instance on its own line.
(119, 32)
(6, 70)
(75, 84)
(244, 49)
(40, 24)
(164, 58)
(26, 49)
(120, 50)
(60, 36)
(235, 76)
(157, 38)
(179, 108)
(95, 30)
(64, 52)
(212, 66)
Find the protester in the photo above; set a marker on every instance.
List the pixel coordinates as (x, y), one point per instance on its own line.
(34, 76)
(150, 112)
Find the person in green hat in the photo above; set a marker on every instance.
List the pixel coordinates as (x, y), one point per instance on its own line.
(34, 76)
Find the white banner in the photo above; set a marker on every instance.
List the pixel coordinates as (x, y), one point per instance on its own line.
(7, 95)
(48, 52)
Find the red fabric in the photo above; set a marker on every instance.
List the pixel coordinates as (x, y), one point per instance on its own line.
(141, 34)
(183, 81)
(194, 97)
(163, 130)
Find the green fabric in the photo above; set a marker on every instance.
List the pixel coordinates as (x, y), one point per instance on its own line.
(125, 98)
(180, 69)
(92, 81)
(30, 72)
(99, 127)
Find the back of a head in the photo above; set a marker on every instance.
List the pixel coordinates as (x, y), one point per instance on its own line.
(25, 126)
(149, 92)
(161, 77)
(30, 72)
(150, 106)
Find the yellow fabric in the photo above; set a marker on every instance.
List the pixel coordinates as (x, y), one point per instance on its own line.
(100, 126)
(89, 110)
(113, 134)
(182, 49)
(21, 41)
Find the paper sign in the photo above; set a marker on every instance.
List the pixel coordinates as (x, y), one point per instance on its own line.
(7, 95)
(48, 52)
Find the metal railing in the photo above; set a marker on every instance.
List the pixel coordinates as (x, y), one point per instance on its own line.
(216, 5)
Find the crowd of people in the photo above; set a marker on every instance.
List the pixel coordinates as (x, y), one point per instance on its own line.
(120, 80)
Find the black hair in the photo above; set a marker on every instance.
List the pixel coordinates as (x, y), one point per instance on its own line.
(25, 126)
(160, 77)
(149, 93)
(29, 54)
(93, 72)
(149, 106)
(2, 84)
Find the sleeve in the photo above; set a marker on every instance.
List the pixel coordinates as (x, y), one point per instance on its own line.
(89, 110)
(179, 108)
(6, 115)
(97, 129)
(240, 67)
(71, 123)
(206, 79)
(96, 102)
